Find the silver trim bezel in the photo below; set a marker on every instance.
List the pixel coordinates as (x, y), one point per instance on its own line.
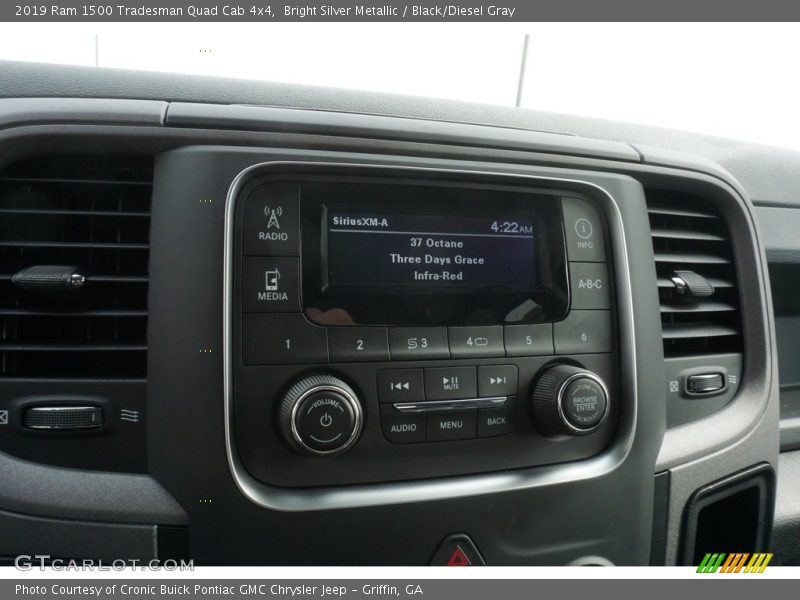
(426, 490)
(445, 405)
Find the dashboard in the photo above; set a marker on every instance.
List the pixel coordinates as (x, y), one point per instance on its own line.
(262, 324)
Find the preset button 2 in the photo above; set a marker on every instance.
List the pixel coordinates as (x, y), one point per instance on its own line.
(358, 343)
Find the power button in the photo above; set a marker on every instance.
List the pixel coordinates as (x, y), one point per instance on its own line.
(321, 416)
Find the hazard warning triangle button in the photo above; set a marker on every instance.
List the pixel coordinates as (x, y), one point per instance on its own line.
(458, 558)
(457, 550)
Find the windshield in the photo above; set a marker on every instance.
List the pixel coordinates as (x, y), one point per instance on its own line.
(730, 80)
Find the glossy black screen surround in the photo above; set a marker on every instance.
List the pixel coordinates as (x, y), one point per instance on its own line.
(540, 295)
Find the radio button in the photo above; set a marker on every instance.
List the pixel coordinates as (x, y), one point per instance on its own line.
(271, 285)
(583, 331)
(282, 339)
(583, 230)
(451, 425)
(358, 343)
(528, 340)
(495, 421)
(272, 221)
(407, 343)
(401, 428)
(450, 383)
(497, 380)
(401, 385)
(589, 285)
(467, 342)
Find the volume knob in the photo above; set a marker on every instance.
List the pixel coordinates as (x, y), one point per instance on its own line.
(569, 400)
(321, 416)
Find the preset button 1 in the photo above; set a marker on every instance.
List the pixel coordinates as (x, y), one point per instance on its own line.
(282, 339)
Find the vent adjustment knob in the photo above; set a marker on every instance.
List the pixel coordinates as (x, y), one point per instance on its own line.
(321, 416)
(569, 400)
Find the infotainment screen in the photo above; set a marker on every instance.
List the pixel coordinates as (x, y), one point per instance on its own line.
(411, 252)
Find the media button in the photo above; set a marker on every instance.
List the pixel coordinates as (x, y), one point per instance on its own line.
(401, 428)
(497, 380)
(450, 383)
(451, 425)
(358, 343)
(466, 342)
(282, 339)
(271, 285)
(589, 285)
(495, 421)
(583, 332)
(401, 385)
(529, 340)
(272, 220)
(406, 343)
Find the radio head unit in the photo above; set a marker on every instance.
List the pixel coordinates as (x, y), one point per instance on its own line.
(400, 324)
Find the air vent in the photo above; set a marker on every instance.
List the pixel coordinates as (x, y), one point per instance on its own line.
(696, 276)
(90, 216)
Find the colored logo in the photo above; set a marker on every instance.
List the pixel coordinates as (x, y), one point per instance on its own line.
(735, 562)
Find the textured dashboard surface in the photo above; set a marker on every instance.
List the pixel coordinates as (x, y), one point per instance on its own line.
(770, 175)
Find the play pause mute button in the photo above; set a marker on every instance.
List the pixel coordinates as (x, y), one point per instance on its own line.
(401, 385)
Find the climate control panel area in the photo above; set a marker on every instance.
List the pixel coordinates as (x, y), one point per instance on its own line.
(387, 330)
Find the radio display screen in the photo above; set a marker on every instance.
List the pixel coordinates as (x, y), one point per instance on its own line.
(409, 253)
(416, 251)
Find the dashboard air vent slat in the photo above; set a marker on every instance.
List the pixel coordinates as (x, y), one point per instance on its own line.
(97, 221)
(691, 240)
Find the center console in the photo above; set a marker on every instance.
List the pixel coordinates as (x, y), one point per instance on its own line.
(394, 324)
